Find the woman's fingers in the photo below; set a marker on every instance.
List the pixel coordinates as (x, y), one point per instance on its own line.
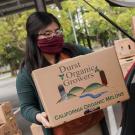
(44, 114)
(45, 122)
(42, 117)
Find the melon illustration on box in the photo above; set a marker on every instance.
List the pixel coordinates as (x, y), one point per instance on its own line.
(85, 92)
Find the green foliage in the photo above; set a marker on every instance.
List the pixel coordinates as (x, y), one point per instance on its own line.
(12, 39)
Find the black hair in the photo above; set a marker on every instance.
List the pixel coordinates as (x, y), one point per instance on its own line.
(33, 57)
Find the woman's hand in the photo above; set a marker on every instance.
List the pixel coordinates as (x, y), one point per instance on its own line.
(42, 118)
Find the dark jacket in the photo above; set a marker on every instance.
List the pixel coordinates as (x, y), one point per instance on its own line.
(30, 103)
(128, 119)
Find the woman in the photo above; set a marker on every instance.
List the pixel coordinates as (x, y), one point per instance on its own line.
(45, 46)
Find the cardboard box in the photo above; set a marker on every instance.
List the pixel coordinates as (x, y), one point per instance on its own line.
(78, 86)
(19, 132)
(1, 129)
(5, 112)
(10, 128)
(13, 125)
(5, 130)
(126, 64)
(125, 48)
(36, 129)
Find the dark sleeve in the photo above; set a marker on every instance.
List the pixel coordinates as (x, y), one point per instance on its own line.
(82, 50)
(27, 97)
(75, 50)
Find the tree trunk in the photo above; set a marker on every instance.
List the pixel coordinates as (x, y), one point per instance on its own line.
(13, 69)
(13, 72)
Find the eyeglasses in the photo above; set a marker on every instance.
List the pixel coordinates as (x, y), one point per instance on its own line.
(49, 34)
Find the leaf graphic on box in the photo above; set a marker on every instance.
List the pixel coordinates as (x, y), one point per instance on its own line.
(75, 90)
(70, 95)
(92, 86)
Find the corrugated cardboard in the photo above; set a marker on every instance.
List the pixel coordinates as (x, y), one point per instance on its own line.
(36, 129)
(13, 125)
(5, 130)
(1, 129)
(125, 48)
(5, 112)
(75, 87)
(19, 132)
(126, 64)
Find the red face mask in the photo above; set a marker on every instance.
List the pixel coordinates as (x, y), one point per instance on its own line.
(51, 46)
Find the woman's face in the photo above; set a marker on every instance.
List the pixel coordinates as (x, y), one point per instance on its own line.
(50, 31)
(50, 39)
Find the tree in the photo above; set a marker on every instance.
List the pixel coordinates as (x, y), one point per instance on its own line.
(12, 40)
